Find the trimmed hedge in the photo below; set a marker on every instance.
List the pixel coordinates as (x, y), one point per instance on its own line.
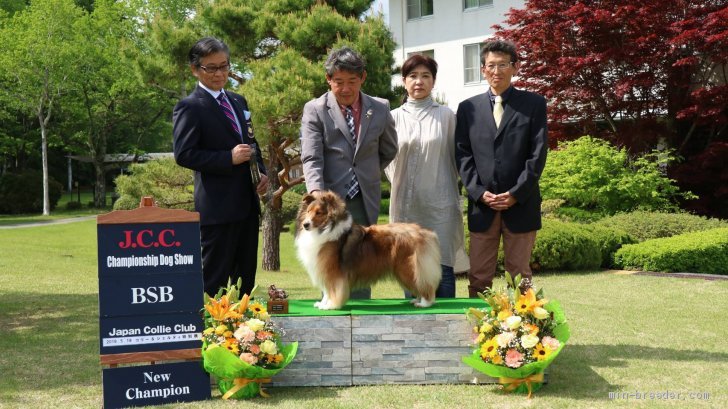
(565, 246)
(609, 240)
(645, 225)
(696, 252)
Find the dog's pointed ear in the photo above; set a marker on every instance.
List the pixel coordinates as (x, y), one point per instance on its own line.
(333, 201)
(308, 198)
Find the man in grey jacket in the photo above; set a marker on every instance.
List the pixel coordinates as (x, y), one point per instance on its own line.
(347, 139)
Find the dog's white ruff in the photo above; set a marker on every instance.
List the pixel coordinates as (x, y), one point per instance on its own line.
(308, 245)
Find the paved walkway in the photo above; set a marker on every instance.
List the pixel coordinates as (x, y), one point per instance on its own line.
(47, 222)
(709, 277)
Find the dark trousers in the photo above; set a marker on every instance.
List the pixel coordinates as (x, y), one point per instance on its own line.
(230, 251)
(355, 206)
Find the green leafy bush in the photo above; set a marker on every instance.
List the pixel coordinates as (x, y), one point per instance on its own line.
(644, 225)
(290, 205)
(73, 205)
(565, 246)
(696, 252)
(591, 174)
(169, 184)
(574, 214)
(299, 188)
(609, 239)
(23, 192)
(549, 206)
(384, 206)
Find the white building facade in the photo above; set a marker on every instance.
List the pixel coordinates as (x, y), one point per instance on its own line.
(450, 31)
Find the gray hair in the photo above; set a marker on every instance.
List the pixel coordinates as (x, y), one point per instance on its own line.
(498, 46)
(204, 47)
(344, 59)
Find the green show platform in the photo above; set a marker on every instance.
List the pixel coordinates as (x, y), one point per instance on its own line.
(380, 341)
(395, 306)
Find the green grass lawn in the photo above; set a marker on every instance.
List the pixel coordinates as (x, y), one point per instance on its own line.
(60, 212)
(630, 333)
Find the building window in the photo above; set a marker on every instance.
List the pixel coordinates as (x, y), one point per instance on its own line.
(471, 63)
(418, 8)
(474, 4)
(427, 53)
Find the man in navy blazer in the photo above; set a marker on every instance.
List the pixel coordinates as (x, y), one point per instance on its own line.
(213, 136)
(500, 148)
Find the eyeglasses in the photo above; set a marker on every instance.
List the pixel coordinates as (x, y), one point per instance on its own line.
(212, 70)
(502, 66)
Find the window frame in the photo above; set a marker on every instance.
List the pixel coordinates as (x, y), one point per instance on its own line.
(479, 6)
(429, 53)
(419, 8)
(467, 68)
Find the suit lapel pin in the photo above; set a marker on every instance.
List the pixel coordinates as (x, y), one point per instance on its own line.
(370, 112)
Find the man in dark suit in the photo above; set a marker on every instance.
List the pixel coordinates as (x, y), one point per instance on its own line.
(213, 136)
(500, 148)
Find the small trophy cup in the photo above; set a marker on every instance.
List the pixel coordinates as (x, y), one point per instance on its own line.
(277, 302)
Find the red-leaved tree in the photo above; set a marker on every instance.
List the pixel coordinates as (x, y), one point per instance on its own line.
(640, 73)
(632, 71)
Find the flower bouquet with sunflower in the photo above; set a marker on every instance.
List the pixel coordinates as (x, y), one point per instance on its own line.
(241, 346)
(517, 336)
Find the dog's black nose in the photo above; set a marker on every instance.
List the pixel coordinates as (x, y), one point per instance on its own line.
(306, 225)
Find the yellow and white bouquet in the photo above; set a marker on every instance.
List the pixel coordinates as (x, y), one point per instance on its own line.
(517, 336)
(241, 346)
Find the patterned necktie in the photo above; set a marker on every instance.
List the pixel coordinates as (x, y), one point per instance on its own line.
(228, 111)
(350, 122)
(353, 187)
(498, 110)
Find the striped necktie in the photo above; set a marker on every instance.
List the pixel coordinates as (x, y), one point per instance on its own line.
(350, 122)
(352, 189)
(228, 111)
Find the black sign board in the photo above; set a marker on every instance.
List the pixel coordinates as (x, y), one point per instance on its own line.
(150, 297)
(155, 384)
(150, 284)
(149, 294)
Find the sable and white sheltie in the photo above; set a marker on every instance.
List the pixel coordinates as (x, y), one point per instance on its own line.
(341, 255)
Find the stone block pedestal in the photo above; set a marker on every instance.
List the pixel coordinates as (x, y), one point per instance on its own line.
(357, 348)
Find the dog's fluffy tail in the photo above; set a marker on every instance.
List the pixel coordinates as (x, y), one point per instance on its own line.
(427, 261)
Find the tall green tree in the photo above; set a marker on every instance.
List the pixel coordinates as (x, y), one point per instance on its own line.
(277, 50)
(38, 58)
(108, 109)
(167, 29)
(12, 6)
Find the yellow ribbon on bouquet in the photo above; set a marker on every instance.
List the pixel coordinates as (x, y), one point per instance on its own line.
(241, 382)
(510, 384)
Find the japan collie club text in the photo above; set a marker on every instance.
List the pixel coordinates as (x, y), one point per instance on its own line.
(155, 330)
